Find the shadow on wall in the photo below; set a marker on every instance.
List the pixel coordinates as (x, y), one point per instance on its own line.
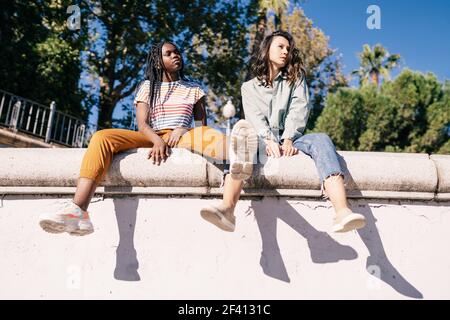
(126, 257)
(323, 248)
(126, 214)
(378, 263)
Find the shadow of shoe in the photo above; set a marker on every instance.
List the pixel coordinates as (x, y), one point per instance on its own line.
(324, 249)
(273, 265)
(126, 265)
(386, 272)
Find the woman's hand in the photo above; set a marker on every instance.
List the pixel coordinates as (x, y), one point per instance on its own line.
(160, 151)
(272, 148)
(175, 136)
(288, 148)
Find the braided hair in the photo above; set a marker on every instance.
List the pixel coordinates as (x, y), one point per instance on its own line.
(155, 70)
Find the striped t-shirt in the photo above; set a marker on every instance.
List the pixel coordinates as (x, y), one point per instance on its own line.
(174, 105)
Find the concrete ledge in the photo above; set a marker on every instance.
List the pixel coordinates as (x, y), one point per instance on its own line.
(442, 164)
(368, 174)
(61, 167)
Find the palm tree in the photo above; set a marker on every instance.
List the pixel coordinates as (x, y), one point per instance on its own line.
(375, 62)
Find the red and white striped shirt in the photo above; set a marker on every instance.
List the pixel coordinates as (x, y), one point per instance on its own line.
(174, 105)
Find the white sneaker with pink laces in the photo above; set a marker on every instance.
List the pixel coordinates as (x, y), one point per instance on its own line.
(68, 218)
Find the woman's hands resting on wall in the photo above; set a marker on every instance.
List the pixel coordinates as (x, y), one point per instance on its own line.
(273, 149)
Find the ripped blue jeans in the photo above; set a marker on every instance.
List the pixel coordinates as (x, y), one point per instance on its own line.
(321, 149)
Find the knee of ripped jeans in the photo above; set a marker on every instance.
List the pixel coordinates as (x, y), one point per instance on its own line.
(332, 176)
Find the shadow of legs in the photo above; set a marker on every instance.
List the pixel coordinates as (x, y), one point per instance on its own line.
(126, 258)
(378, 263)
(323, 248)
(271, 261)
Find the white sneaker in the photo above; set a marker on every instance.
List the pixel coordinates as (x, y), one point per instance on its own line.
(68, 218)
(216, 216)
(244, 145)
(346, 220)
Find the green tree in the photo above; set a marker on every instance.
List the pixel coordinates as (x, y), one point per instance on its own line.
(374, 62)
(423, 108)
(40, 55)
(409, 114)
(343, 118)
(380, 122)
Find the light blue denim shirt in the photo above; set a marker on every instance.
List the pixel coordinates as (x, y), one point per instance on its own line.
(279, 112)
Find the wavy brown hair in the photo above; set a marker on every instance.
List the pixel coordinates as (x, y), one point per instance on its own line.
(294, 68)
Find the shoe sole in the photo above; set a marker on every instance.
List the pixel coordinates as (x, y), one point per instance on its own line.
(211, 215)
(81, 232)
(352, 222)
(244, 144)
(54, 227)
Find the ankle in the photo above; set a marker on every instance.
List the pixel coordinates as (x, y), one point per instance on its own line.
(82, 207)
(342, 210)
(228, 208)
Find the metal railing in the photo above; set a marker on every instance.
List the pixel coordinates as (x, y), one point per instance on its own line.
(23, 115)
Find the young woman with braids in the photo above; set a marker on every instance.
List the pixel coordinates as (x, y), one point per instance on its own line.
(165, 104)
(276, 103)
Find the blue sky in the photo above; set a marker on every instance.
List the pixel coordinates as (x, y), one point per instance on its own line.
(417, 30)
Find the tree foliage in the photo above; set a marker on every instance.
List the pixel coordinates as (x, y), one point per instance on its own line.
(408, 114)
(40, 55)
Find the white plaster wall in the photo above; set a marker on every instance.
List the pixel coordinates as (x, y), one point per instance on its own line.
(282, 249)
